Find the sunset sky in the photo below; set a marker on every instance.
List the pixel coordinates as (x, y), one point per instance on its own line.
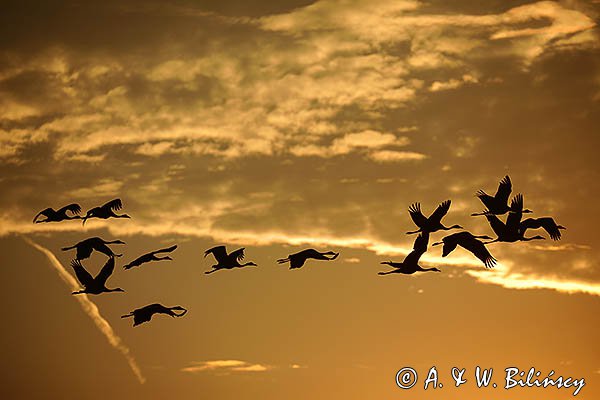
(278, 126)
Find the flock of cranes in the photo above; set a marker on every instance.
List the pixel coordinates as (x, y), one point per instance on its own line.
(513, 230)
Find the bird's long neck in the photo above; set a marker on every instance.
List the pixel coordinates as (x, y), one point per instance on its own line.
(387, 272)
(429, 269)
(248, 264)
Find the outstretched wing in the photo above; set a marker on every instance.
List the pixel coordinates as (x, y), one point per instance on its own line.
(504, 189)
(440, 211)
(238, 254)
(106, 271)
(419, 248)
(84, 277)
(166, 250)
(47, 212)
(497, 226)
(219, 252)
(417, 216)
(478, 249)
(74, 208)
(114, 205)
(516, 213)
(545, 222)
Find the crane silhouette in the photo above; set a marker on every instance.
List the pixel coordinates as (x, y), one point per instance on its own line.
(85, 247)
(498, 204)
(106, 211)
(297, 260)
(95, 285)
(59, 215)
(434, 222)
(148, 257)
(469, 242)
(226, 261)
(144, 314)
(511, 231)
(544, 222)
(410, 265)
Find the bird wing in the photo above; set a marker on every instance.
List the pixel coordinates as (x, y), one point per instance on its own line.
(478, 249)
(165, 250)
(45, 213)
(417, 216)
(74, 208)
(219, 252)
(419, 248)
(440, 211)
(514, 217)
(238, 254)
(504, 189)
(545, 222)
(497, 226)
(114, 205)
(84, 277)
(106, 271)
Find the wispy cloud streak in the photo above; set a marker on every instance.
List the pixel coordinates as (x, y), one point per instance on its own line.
(226, 366)
(91, 310)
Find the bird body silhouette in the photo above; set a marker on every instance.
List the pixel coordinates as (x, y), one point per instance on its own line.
(106, 211)
(544, 222)
(60, 214)
(144, 314)
(297, 260)
(511, 231)
(95, 285)
(469, 242)
(226, 261)
(85, 247)
(410, 265)
(148, 257)
(434, 222)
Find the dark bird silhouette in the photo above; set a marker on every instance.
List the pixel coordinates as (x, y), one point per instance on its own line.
(145, 313)
(511, 231)
(498, 204)
(297, 260)
(106, 211)
(60, 214)
(434, 222)
(469, 242)
(544, 222)
(85, 247)
(95, 285)
(150, 257)
(227, 261)
(410, 265)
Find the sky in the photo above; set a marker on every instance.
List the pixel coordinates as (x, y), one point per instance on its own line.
(278, 126)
